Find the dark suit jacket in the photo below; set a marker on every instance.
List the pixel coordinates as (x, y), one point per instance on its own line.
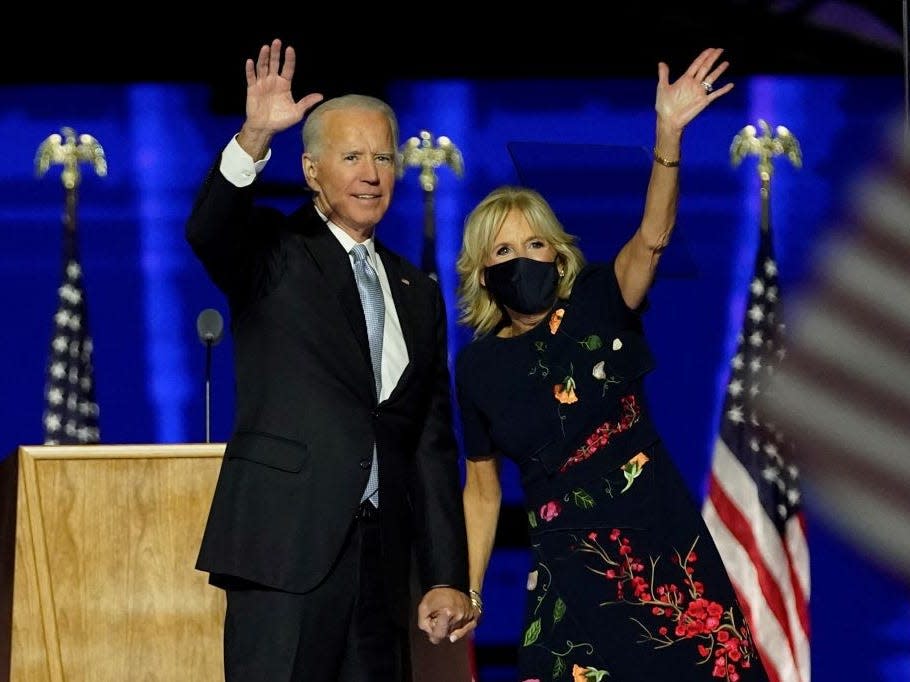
(306, 412)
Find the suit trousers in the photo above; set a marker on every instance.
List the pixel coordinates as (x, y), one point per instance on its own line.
(340, 631)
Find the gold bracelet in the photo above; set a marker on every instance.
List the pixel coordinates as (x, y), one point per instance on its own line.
(664, 162)
(476, 601)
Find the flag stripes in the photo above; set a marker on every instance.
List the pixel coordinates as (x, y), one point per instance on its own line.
(766, 569)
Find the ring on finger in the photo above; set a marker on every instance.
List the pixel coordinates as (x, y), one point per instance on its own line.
(708, 86)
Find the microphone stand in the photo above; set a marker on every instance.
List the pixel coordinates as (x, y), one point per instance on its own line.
(208, 390)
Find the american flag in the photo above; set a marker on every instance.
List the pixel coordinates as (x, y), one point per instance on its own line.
(753, 506)
(70, 411)
(844, 394)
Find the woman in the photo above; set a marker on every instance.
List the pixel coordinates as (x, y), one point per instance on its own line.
(627, 583)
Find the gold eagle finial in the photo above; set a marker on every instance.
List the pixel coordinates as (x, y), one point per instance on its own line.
(421, 152)
(748, 142)
(70, 151)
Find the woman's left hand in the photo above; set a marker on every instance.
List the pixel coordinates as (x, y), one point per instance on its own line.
(469, 625)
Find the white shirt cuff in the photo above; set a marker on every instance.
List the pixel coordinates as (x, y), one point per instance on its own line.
(238, 167)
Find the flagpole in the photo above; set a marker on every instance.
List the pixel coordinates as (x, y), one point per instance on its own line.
(428, 154)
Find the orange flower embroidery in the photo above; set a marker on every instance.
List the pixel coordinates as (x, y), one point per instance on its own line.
(639, 461)
(580, 674)
(556, 319)
(565, 392)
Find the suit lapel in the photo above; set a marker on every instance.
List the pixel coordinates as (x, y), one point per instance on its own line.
(335, 266)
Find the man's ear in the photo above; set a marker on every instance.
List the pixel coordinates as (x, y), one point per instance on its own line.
(309, 172)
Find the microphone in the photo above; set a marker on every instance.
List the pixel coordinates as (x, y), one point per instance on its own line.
(210, 328)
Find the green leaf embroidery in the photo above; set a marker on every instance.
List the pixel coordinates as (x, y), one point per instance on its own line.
(559, 610)
(532, 519)
(582, 499)
(559, 667)
(593, 342)
(596, 675)
(532, 633)
(631, 471)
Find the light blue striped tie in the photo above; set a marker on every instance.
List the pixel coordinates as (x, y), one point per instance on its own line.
(374, 312)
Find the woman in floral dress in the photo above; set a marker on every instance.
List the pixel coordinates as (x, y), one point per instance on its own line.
(626, 582)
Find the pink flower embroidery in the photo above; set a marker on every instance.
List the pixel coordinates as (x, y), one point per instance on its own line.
(550, 510)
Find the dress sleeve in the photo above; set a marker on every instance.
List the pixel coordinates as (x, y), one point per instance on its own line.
(475, 428)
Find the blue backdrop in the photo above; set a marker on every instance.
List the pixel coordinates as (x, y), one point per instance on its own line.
(145, 289)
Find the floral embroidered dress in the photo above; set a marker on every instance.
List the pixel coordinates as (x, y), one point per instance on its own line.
(627, 583)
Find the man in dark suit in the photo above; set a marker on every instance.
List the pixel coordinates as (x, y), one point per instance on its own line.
(343, 457)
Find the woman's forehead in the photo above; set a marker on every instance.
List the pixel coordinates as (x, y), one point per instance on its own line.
(514, 227)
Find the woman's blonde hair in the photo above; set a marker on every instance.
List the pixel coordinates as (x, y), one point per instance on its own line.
(477, 308)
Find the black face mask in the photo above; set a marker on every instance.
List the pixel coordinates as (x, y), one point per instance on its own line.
(524, 285)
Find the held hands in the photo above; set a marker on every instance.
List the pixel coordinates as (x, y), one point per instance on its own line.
(270, 105)
(471, 624)
(445, 613)
(679, 102)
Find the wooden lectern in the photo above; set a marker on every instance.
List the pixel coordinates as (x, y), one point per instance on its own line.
(97, 551)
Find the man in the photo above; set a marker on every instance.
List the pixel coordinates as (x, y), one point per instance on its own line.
(343, 456)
